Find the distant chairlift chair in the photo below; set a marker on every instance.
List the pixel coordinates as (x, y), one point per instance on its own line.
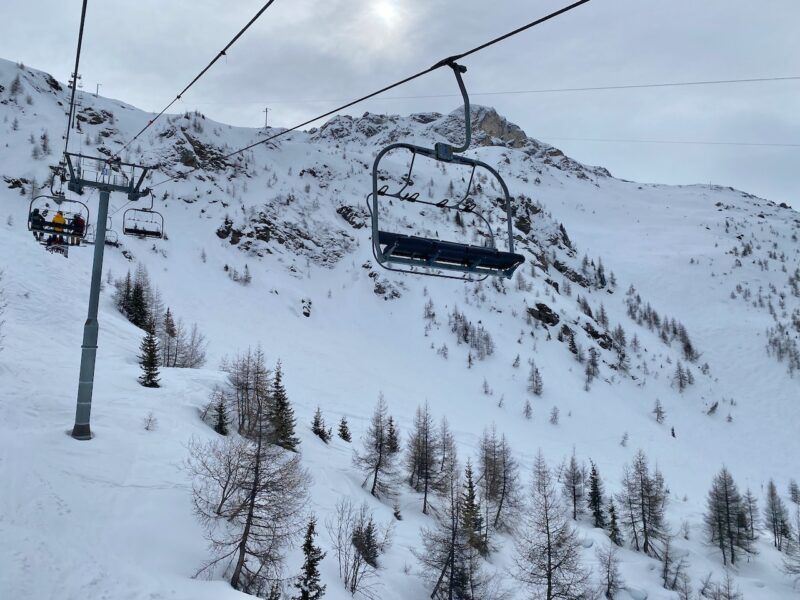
(143, 222)
(430, 256)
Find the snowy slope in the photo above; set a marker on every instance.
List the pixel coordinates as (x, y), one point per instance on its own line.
(112, 518)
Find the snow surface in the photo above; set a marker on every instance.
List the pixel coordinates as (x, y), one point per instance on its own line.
(111, 518)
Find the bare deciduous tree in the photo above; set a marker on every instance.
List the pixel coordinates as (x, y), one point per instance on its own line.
(251, 498)
(358, 544)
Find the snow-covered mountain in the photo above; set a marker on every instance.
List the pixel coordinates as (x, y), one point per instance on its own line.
(703, 277)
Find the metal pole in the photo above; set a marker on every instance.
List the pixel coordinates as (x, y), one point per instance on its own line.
(81, 430)
(97, 90)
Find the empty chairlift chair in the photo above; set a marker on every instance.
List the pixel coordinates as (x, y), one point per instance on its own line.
(143, 222)
(401, 252)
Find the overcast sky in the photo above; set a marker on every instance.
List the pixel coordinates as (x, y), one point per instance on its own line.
(303, 56)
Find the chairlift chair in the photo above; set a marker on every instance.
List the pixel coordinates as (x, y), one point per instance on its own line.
(68, 229)
(431, 256)
(143, 222)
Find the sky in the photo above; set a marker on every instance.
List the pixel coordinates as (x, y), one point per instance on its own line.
(303, 58)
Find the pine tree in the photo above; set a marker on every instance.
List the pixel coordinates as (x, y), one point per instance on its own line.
(221, 415)
(596, 497)
(392, 437)
(318, 426)
(281, 414)
(168, 340)
(614, 533)
(471, 517)
(344, 430)
(308, 584)
(149, 360)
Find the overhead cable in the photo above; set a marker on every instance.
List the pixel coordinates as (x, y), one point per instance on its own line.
(442, 63)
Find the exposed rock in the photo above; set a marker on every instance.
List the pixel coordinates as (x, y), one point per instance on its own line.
(356, 217)
(571, 274)
(603, 339)
(545, 314)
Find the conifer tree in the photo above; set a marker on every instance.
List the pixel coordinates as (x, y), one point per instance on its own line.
(573, 488)
(308, 584)
(149, 360)
(422, 456)
(547, 550)
(776, 517)
(392, 437)
(281, 414)
(344, 430)
(592, 367)
(725, 518)
(658, 412)
(614, 533)
(750, 506)
(168, 340)
(596, 497)
(221, 415)
(374, 458)
(643, 498)
(318, 426)
(471, 517)
(535, 383)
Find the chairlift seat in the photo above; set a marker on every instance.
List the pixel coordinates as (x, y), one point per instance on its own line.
(141, 232)
(432, 253)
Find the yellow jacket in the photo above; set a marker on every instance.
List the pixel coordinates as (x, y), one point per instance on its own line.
(58, 219)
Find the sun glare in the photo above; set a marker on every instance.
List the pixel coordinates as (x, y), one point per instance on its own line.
(386, 11)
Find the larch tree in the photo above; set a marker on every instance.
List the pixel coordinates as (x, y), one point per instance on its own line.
(547, 550)
(776, 517)
(374, 458)
(535, 382)
(573, 486)
(610, 578)
(250, 496)
(422, 455)
(643, 498)
(507, 496)
(726, 518)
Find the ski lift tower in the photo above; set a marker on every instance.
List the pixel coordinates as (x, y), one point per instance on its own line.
(105, 175)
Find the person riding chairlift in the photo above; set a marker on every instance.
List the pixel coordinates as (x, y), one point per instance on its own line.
(58, 219)
(78, 225)
(37, 224)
